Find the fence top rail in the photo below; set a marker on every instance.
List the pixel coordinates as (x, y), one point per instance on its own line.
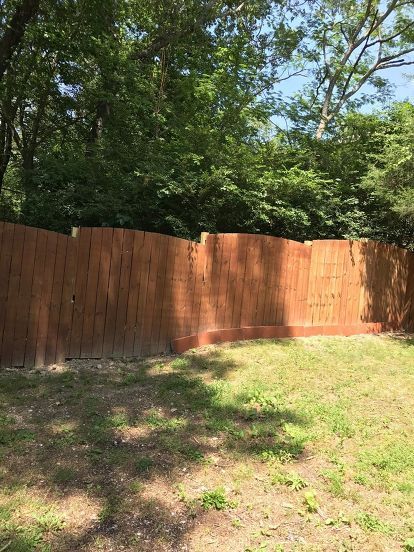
(364, 241)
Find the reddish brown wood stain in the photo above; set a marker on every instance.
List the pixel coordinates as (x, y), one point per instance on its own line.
(122, 293)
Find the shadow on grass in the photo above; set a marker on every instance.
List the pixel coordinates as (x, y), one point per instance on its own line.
(109, 431)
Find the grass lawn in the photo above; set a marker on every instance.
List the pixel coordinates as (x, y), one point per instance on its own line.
(301, 445)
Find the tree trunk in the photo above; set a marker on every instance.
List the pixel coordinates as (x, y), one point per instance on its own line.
(321, 128)
(15, 29)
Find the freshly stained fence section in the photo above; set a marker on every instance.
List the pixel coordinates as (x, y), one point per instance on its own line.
(123, 293)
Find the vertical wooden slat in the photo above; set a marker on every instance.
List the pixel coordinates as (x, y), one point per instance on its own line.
(167, 315)
(84, 239)
(231, 282)
(191, 263)
(93, 272)
(36, 299)
(113, 289)
(5, 266)
(143, 289)
(246, 303)
(12, 296)
(205, 313)
(164, 243)
(148, 312)
(273, 282)
(68, 291)
(257, 276)
(124, 280)
(24, 299)
(56, 300)
(280, 299)
(134, 286)
(102, 292)
(336, 288)
(291, 268)
(197, 301)
(223, 285)
(46, 298)
(242, 242)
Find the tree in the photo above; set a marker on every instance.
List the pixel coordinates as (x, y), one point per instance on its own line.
(351, 43)
(14, 31)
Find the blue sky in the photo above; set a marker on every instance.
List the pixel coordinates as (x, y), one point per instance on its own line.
(401, 77)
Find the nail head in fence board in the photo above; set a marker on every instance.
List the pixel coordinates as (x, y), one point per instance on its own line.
(13, 294)
(113, 289)
(86, 349)
(102, 292)
(24, 299)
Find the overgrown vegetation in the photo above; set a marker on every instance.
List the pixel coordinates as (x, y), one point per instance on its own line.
(277, 445)
(175, 117)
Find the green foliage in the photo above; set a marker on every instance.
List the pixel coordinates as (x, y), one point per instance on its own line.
(216, 500)
(371, 523)
(311, 502)
(291, 480)
(164, 119)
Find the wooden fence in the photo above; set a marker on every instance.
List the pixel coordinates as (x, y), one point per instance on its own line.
(125, 293)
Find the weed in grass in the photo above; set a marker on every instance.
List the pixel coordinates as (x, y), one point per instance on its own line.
(408, 545)
(136, 486)
(311, 502)
(372, 524)
(180, 363)
(341, 519)
(66, 438)
(191, 453)
(64, 475)
(9, 436)
(216, 500)
(144, 464)
(336, 480)
(50, 521)
(117, 421)
(157, 421)
(236, 522)
(291, 480)
(277, 454)
(131, 378)
(109, 510)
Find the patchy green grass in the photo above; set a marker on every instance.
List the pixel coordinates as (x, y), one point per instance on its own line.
(289, 445)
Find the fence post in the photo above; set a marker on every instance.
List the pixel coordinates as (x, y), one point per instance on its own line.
(75, 231)
(203, 237)
(308, 243)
